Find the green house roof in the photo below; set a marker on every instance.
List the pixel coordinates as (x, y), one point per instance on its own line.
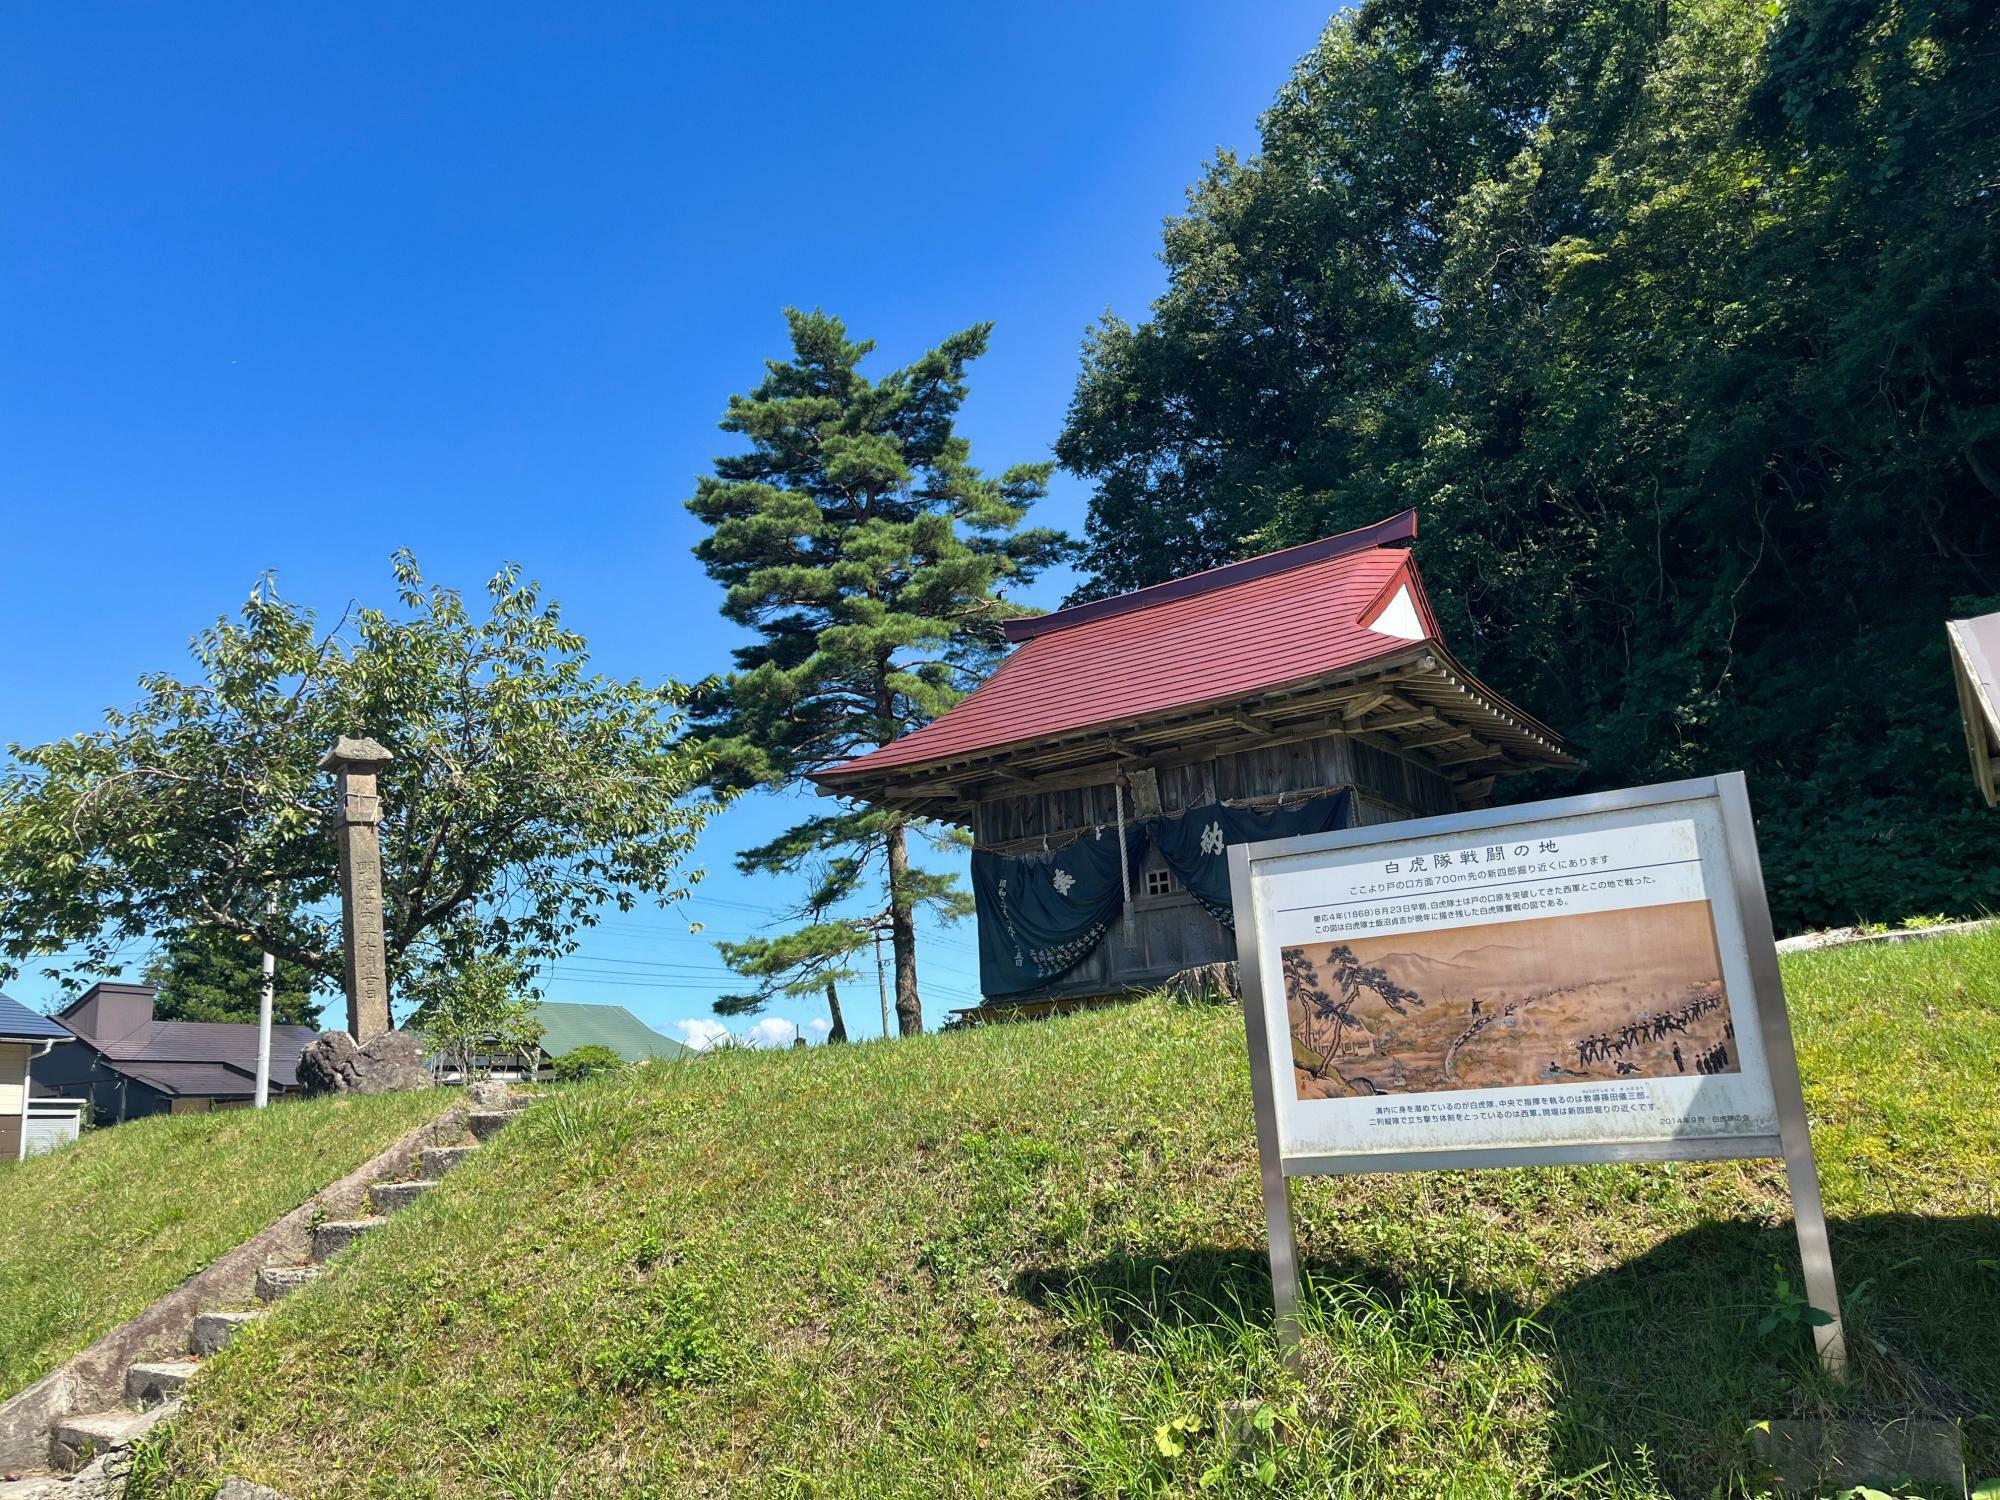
(566, 1027)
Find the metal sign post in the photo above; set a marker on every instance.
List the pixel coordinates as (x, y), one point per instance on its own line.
(1591, 979)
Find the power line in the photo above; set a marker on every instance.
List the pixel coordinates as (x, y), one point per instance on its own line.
(685, 976)
(697, 987)
(589, 982)
(639, 963)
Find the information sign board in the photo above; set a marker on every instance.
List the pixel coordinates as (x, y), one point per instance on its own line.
(1589, 979)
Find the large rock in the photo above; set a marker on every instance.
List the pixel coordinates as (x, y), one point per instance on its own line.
(386, 1064)
(490, 1093)
(1205, 984)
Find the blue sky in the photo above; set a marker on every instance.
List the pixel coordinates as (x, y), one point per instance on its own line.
(290, 287)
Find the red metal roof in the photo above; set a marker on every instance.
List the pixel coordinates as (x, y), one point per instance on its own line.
(1249, 627)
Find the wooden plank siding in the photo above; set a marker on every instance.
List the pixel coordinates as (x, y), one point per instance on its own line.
(13, 1097)
(1028, 820)
(1163, 935)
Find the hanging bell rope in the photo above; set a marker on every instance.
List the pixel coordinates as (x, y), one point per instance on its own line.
(1124, 858)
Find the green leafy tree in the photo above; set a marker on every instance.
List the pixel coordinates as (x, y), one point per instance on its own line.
(206, 974)
(526, 793)
(869, 559)
(1676, 321)
(478, 1007)
(591, 1060)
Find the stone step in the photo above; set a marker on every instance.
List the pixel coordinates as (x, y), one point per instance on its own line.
(438, 1160)
(274, 1282)
(77, 1440)
(332, 1238)
(388, 1197)
(214, 1330)
(151, 1382)
(487, 1123)
(104, 1477)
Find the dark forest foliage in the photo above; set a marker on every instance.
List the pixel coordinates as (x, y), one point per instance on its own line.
(1680, 323)
(205, 974)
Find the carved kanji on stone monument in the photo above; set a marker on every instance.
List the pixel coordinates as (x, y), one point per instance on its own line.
(357, 820)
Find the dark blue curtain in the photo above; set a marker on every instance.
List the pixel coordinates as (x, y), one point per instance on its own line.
(1041, 914)
(1196, 843)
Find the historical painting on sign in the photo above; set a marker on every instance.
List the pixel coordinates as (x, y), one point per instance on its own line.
(1635, 992)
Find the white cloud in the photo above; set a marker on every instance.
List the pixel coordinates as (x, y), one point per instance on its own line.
(701, 1032)
(771, 1031)
(704, 1032)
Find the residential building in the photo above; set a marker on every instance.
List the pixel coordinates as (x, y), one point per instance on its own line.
(128, 1064)
(24, 1037)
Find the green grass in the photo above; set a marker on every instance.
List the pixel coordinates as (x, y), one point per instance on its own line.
(94, 1232)
(1029, 1261)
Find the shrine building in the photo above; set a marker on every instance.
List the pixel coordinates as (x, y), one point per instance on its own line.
(1107, 765)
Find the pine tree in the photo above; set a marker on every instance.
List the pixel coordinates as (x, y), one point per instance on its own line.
(205, 974)
(813, 958)
(868, 556)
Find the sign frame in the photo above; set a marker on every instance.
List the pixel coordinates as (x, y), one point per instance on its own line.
(1744, 888)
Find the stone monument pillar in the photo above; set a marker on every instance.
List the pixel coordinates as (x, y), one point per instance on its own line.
(357, 821)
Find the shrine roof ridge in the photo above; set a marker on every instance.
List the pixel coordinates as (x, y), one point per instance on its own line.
(1397, 528)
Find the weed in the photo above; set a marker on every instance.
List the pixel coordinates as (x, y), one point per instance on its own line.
(1790, 1311)
(655, 1341)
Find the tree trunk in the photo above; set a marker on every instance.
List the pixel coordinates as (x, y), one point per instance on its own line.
(903, 937)
(839, 1032)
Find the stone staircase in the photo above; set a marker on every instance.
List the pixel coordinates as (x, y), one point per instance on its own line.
(90, 1453)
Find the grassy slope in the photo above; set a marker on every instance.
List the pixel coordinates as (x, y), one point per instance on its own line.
(92, 1233)
(996, 1263)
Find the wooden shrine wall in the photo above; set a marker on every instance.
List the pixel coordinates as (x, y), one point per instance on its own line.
(1171, 932)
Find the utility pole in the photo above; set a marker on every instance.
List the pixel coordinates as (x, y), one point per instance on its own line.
(264, 1014)
(357, 821)
(882, 983)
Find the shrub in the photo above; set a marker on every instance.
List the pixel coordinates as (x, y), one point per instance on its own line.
(587, 1061)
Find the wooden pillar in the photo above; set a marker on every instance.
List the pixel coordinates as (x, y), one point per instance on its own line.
(357, 822)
